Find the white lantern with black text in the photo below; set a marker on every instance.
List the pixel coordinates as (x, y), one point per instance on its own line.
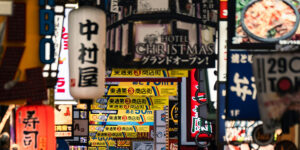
(87, 36)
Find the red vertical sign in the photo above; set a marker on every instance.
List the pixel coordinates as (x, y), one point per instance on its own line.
(35, 128)
(223, 9)
(196, 122)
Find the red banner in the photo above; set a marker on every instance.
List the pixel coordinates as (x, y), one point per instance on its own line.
(197, 124)
(35, 128)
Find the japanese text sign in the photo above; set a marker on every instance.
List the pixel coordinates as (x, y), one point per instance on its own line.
(62, 88)
(142, 90)
(241, 103)
(197, 124)
(131, 103)
(87, 29)
(35, 127)
(277, 78)
(157, 73)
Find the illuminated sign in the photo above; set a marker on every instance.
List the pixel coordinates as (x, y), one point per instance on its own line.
(35, 127)
(158, 73)
(250, 31)
(62, 88)
(141, 91)
(131, 103)
(63, 114)
(197, 124)
(87, 54)
(63, 120)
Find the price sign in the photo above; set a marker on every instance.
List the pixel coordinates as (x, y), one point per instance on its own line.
(277, 78)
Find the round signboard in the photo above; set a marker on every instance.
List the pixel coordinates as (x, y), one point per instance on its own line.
(260, 138)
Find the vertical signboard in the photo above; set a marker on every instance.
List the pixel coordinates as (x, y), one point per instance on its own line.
(62, 88)
(35, 127)
(222, 65)
(87, 27)
(221, 111)
(198, 124)
(241, 96)
(277, 79)
(63, 120)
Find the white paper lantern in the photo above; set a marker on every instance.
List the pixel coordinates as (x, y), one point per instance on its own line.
(87, 36)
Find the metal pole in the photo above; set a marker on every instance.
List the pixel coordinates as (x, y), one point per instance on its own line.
(51, 96)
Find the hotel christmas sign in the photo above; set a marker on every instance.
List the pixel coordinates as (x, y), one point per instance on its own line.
(160, 45)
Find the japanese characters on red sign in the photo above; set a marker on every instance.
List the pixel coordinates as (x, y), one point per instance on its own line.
(35, 127)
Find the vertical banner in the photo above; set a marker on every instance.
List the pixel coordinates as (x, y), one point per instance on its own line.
(241, 95)
(35, 128)
(62, 88)
(222, 65)
(221, 112)
(277, 79)
(87, 27)
(197, 124)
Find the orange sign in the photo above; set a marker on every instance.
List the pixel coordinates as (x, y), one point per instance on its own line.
(35, 128)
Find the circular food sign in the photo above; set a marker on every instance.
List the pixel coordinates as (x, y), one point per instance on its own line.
(261, 138)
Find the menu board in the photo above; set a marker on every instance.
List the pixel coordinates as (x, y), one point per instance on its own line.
(263, 23)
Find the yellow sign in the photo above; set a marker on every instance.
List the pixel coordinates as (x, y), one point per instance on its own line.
(102, 141)
(117, 129)
(131, 103)
(123, 143)
(148, 83)
(142, 91)
(125, 116)
(155, 73)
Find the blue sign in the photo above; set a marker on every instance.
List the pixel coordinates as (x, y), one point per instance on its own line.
(221, 111)
(241, 91)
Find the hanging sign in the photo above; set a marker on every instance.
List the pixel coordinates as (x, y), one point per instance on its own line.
(35, 127)
(87, 28)
(242, 92)
(277, 79)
